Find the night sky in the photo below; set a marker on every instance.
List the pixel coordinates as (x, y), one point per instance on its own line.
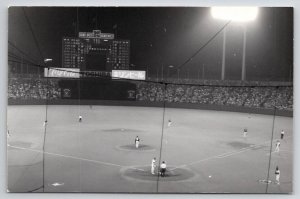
(166, 36)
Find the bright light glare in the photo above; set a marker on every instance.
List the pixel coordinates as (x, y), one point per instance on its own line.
(47, 60)
(240, 14)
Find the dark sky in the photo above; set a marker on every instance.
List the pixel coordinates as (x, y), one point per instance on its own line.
(166, 36)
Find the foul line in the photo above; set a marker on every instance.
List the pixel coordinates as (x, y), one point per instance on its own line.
(76, 158)
(224, 155)
(68, 156)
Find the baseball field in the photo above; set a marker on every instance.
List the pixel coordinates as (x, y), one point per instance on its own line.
(205, 151)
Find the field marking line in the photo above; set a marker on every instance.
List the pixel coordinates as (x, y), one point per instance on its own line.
(227, 154)
(239, 151)
(234, 153)
(133, 168)
(223, 155)
(68, 156)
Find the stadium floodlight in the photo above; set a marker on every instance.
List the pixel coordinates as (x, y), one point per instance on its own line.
(238, 14)
(169, 68)
(47, 60)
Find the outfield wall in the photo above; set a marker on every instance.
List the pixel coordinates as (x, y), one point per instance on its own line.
(152, 104)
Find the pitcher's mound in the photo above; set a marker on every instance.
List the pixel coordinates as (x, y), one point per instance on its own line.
(142, 147)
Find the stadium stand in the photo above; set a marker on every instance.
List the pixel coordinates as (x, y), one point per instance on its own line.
(31, 88)
(258, 95)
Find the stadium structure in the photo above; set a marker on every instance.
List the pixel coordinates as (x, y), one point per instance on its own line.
(74, 128)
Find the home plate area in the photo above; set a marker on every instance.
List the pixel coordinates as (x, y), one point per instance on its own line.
(144, 173)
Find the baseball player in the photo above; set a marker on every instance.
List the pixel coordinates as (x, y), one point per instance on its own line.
(153, 165)
(7, 137)
(137, 142)
(80, 118)
(277, 146)
(245, 132)
(163, 168)
(281, 134)
(277, 175)
(45, 123)
(169, 123)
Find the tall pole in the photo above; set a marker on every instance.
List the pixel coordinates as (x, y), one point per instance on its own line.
(157, 74)
(162, 135)
(203, 71)
(223, 54)
(162, 72)
(22, 65)
(147, 75)
(270, 153)
(45, 126)
(168, 73)
(244, 54)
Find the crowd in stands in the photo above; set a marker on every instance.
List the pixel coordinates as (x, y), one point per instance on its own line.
(265, 96)
(32, 88)
(251, 96)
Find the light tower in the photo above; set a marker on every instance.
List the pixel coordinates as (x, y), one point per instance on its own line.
(235, 14)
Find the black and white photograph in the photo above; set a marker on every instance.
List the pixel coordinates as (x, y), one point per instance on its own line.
(150, 100)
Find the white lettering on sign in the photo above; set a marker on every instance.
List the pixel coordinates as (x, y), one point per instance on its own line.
(62, 72)
(129, 74)
(96, 35)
